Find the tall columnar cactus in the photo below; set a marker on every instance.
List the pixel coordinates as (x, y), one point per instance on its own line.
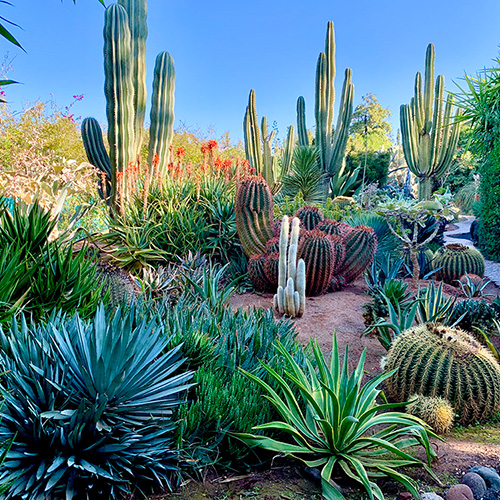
(455, 260)
(258, 147)
(309, 216)
(317, 251)
(330, 143)
(360, 248)
(430, 136)
(301, 122)
(290, 298)
(434, 360)
(125, 33)
(253, 207)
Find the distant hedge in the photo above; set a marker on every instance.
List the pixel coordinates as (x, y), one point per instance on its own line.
(489, 204)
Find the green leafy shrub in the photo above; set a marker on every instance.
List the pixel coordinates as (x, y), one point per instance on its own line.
(39, 275)
(472, 314)
(335, 423)
(219, 342)
(89, 405)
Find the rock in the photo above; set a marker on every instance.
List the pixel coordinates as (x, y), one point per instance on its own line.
(491, 495)
(476, 483)
(405, 495)
(490, 475)
(430, 496)
(459, 492)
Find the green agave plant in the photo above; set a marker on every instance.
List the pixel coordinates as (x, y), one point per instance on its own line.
(89, 405)
(337, 425)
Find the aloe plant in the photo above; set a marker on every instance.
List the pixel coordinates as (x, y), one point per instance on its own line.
(335, 423)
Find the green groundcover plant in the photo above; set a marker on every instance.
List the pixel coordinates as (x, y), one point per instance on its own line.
(336, 424)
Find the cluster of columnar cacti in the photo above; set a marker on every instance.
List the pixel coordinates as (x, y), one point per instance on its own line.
(334, 252)
(455, 260)
(290, 298)
(330, 142)
(430, 136)
(438, 361)
(258, 147)
(435, 411)
(125, 33)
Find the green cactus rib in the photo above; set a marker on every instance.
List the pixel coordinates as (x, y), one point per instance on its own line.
(252, 134)
(96, 153)
(301, 122)
(253, 209)
(455, 260)
(429, 135)
(438, 361)
(268, 167)
(316, 250)
(161, 131)
(119, 91)
(137, 16)
(287, 157)
(309, 216)
(360, 248)
(339, 250)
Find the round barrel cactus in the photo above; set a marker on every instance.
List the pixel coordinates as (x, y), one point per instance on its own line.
(273, 245)
(455, 260)
(253, 210)
(317, 251)
(271, 269)
(310, 217)
(331, 227)
(438, 361)
(360, 248)
(257, 274)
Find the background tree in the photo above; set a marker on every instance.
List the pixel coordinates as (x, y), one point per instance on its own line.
(369, 141)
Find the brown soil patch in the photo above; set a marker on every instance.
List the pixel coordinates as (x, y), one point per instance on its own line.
(339, 312)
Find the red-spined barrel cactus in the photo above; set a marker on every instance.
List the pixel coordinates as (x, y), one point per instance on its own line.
(360, 247)
(339, 250)
(271, 269)
(257, 274)
(331, 227)
(317, 251)
(253, 209)
(273, 245)
(309, 217)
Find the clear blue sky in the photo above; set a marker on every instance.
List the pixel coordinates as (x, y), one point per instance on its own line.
(224, 48)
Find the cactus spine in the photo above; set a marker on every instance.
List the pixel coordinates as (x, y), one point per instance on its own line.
(125, 34)
(438, 361)
(260, 156)
(253, 209)
(455, 260)
(290, 298)
(429, 136)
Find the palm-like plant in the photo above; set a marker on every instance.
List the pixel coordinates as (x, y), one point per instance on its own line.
(305, 176)
(337, 425)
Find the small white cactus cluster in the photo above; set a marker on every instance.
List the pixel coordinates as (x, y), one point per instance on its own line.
(291, 296)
